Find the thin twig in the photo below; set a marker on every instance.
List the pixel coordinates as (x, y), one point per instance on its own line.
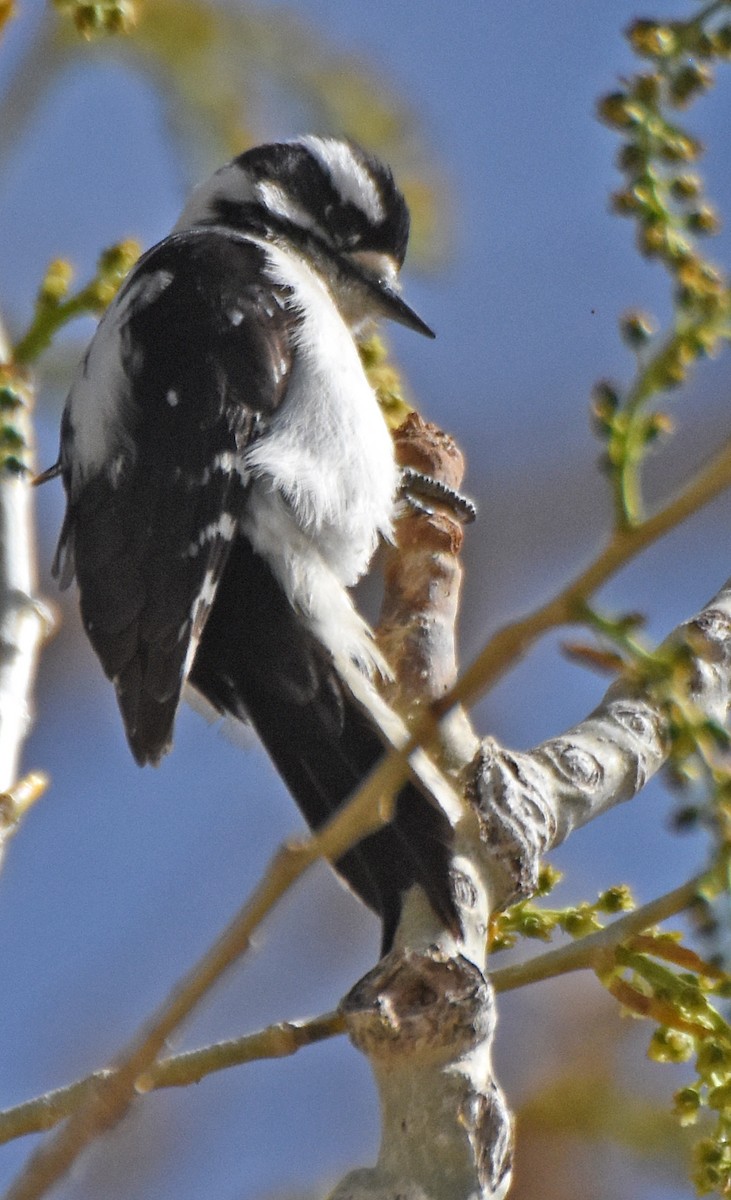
(180, 1070)
(511, 642)
(589, 951)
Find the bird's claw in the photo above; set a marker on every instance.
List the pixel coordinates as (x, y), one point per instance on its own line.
(416, 488)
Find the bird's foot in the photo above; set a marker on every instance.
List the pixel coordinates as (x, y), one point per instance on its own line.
(417, 489)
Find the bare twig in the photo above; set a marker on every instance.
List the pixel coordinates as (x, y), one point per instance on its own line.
(511, 642)
(276, 1041)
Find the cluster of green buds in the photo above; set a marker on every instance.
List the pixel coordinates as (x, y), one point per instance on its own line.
(385, 380)
(655, 976)
(664, 195)
(56, 305)
(530, 920)
(101, 18)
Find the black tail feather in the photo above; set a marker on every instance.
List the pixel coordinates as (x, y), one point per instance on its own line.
(258, 660)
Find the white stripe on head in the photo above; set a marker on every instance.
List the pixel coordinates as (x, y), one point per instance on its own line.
(348, 176)
(279, 202)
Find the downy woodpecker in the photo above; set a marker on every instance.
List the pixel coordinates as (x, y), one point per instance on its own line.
(229, 475)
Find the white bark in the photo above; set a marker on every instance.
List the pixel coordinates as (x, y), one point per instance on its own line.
(24, 622)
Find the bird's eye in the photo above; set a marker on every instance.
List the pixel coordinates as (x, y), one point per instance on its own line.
(381, 267)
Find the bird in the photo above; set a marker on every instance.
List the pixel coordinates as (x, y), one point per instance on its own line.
(229, 475)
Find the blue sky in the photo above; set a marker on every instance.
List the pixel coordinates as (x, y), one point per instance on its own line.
(120, 877)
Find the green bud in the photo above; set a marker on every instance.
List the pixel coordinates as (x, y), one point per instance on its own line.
(9, 398)
(89, 20)
(656, 426)
(632, 158)
(625, 203)
(686, 187)
(686, 818)
(605, 402)
(548, 878)
(118, 259)
(720, 1097)
(676, 146)
(606, 396)
(714, 1061)
(56, 282)
(13, 465)
(696, 41)
(688, 82)
(534, 925)
(11, 438)
(692, 1000)
(502, 942)
(636, 328)
(652, 238)
(670, 1046)
(687, 1103)
(646, 89)
(616, 899)
(721, 40)
(703, 220)
(618, 111)
(121, 17)
(578, 922)
(708, 1152)
(650, 39)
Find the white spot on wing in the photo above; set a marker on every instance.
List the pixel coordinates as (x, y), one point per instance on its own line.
(224, 528)
(349, 177)
(231, 464)
(172, 398)
(98, 400)
(199, 610)
(116, 469)
(152, 286)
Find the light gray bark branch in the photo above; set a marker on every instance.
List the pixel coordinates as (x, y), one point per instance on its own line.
(24, 622)
(425, 1016)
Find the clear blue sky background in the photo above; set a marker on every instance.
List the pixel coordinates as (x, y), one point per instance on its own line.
(120, 877)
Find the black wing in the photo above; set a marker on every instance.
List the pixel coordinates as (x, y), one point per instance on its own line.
(195, 335)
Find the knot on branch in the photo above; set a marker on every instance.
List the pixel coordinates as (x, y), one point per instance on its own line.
(427, 1020)
(510, 794)
(491, 1133)
(416, 1003)
(710, 635)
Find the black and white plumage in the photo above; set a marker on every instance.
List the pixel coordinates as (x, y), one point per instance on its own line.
(229, 475)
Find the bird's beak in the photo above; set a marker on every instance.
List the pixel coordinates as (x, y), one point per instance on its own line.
(379, 274)
(394, 307)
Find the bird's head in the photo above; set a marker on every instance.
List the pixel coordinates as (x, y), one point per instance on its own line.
(332, 202)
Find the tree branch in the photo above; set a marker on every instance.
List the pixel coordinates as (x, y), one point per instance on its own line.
(24, 622)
